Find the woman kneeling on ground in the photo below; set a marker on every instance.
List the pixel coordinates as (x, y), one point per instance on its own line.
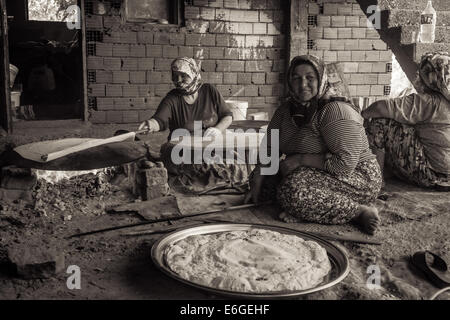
(411, 135)
(329, 175)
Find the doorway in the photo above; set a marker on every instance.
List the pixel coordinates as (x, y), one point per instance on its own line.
(47, 62)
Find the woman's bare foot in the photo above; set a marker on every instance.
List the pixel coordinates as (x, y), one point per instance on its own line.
(368, 219)
(283, 216)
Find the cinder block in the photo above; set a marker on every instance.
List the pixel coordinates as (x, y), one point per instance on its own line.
(330, 56)
(362, 90)
(244, 78)
(337, 21)
(315, 33)
(130, 90)
(274, 28)
(224, 66)
(177, 39)
(379, 67)
(103, 49)
(365, 67)
(359, 33)
(193, 39)
(114, 90)
(230, 78)
(386, 56)
(265, 65)
(103, 76)
(379, 45)
(330, 33)
(105, 104)
(94, 22)
(337, 45)
(154, 77)
(121, 76)
(114, 116)
(200, 53)
(265, 16)
(372, 55)
(365, 44)
(207, 13)
(344, 33)
(251, 41)
(191, 12)
(260, 28)
(200, 2)
(111, 21)
(231, 53)
(215, 77)
(372, 34)
(170, 52)
(265, 90)
(130, 64)
(376, 90)
(251, 91)
(245, 28)
(323, 21)
(350, 67)
(145, 37)
(129, 37)
(208, 65)
(244, 4)
(322, 44)
(237, 66)
(384, 79)
(216, 3)
(273, 77)
(137, 50)
(161, 38)
(184, 51)
(259, 4)
(356, 10)
(258, 78)
(94, 62)
(370, 78)
(344, 55)
(112, 63)
(197, 26)
(358, 55)
(345, 9)
(162, 64)
(330, 9)
(208, 40)
(153, 50)
(145, 63)
(96, 90)
(162, 89)
(97, 117)
(313, 9)
(216, 53)
(251, 66)
(130, 117)
(121, 50)
(223, 14)
(351, 21)
(137, 76)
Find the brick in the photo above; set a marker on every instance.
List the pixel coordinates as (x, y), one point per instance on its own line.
(330, 56)
(103, 49)
(103, 76)
(356, 78)
(114, 116)
(223, 14)
(370, 78)
(231, 4)
(323, 21)
(344, 56)
(96, 117)
(130, 117)
(128, 37)
(274, 28)
(207, 13)
(186, 51)
(200, 53)
(121, 103)
(130, 64)
(162, 89)
(177, 39)
(365, 44)
(137, 76)
(237, 41)
(317, 53)
(230, 78)
(330, 9)
(376, 90)
(315, 33)
(201, 2)
(350, 67)
(356, 10)
(251, 66)
(364, 22)
(145, 37)
(94, 62)
(208, 65)
(337, 45)
(94, 22)
(265, 16)
(166, 77)
(113, 37)
(137, 50)
(170, 52)
(251, 41)
(245, 28)
(154, 77)
(330, 33)
(237, 15)
(372, 34)
(145, 114)
(251, 91)
(323, 44)
(146, 90)
(193, 39)
(244, 78)
(365, 67)
(237, 66)
(260, 28)
(351, 21)
(197, 26)
(216, 53)
(359, 33)
(379, 67)
(337, 21)
(111, 21)
(259, 4)
(154, 50)
(161, 38)
(96, 90)
(352, 90)
(244, 4)
(344, 33)
(273, 77)
(358, 56)
(345, 9)
(363, 90)
(191, 12)
(313, 9)
(267, 41)
(145, 63)
(208, 40)
(231, 53)
(218, 27)
(379, 45)
(121, 50)
(105, 104)
(386, 56)
(114, 90)
(384, 79)
(258, 78)
(279, 65)
(162, 64)
(36, 261)
(372, 56)
(121, 76)
(265, 90)
(264, 65)
(112, 63)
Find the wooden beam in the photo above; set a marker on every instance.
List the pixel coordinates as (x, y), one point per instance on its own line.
(298, 28)
(84, 61)
(5, 98)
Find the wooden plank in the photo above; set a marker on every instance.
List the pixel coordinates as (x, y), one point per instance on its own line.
(84, 58)
(5, 98)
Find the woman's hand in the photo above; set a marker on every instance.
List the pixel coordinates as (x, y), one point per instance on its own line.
(212, 132)
(291, 163)
(150, 125)
(255, 189)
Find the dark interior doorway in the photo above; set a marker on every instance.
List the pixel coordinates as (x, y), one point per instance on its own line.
(48, 56)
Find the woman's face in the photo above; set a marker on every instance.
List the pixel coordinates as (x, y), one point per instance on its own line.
(305, 82)
(180, 79)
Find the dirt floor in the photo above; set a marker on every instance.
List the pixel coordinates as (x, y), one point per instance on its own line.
(115, 266)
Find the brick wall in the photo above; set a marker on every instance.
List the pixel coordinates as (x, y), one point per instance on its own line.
(338, 32)
(241, 44)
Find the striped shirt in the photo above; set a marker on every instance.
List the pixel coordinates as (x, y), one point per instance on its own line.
(336, 129)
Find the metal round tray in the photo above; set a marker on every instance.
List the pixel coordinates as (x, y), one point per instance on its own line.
(338, 258)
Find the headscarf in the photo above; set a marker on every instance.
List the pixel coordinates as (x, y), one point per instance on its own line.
(440, 63)
(301, 112)
(189, 67)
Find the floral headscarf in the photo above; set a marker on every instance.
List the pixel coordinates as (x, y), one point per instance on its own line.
(189, 67)
(326, 92)
(440, 80)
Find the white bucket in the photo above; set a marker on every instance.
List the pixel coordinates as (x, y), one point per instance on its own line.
(239, 109)
(15, 98)
(13, 70)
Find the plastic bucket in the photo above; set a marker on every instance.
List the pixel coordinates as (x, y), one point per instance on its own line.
(15, 98)
(239, 109)
(13, 70)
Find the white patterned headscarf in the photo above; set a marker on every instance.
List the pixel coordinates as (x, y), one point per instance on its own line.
(189, 67)
(439, 79)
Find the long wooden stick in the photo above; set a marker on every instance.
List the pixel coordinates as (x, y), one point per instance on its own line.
(165, 219)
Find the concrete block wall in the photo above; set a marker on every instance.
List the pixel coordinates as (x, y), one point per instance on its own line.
(240, 43)
(338, 32)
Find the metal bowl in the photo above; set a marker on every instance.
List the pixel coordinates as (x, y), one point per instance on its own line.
(338, 258)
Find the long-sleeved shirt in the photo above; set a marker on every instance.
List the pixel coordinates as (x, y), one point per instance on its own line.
(336, 129)
(430, 115)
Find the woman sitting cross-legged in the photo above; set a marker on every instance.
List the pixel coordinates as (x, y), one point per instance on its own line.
(329, 175)
(411, 135)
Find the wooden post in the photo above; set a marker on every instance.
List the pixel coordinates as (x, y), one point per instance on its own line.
(84, 62)
(5, 98)
(298, 28)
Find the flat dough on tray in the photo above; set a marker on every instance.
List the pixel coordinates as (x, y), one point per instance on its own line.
(251, 261)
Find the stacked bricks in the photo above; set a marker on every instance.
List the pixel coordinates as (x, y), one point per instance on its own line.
(240, 43)
(342, 34)
(149, 180)
(17, 184)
